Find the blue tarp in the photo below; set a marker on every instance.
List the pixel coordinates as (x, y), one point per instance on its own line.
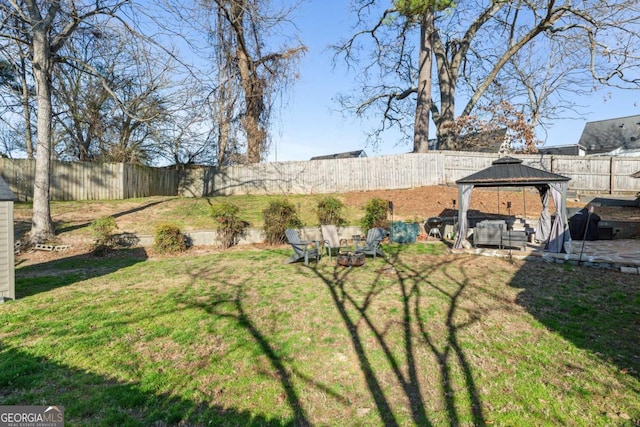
(402, 232)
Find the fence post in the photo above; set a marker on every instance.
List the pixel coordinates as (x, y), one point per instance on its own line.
(611, 175)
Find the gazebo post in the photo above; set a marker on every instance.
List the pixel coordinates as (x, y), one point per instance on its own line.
(460, 218)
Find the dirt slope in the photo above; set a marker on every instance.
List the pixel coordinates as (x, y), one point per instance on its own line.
(409, 204)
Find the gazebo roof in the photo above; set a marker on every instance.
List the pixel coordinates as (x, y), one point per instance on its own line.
(509, 171)
(5, 192)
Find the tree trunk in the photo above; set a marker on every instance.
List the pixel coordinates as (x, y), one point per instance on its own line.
(255, 134)
(445, 124)
(447, 134)
(42, 226)
(423, 104)
(223, 138)
(253, 88)
(254, 104)
(26, 110)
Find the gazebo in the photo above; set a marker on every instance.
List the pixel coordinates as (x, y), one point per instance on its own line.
(510, 172)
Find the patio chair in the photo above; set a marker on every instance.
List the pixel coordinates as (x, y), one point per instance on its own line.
(302, 249)
(371, 246)
(331, 240)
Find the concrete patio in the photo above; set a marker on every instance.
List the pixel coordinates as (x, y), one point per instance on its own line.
(618, 254)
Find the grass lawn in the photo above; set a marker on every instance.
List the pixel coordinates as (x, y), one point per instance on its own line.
(423, 338)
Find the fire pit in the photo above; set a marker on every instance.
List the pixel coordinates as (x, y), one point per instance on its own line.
(351, 259)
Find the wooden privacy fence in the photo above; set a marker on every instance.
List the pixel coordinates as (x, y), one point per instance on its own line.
(90, 181)
(317, 176)
(588, 174)
(87, 181)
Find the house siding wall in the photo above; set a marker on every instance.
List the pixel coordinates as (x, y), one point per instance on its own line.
(7, 275)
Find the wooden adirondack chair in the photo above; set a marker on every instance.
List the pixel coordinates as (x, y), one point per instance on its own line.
(302, 249)
(371, 246)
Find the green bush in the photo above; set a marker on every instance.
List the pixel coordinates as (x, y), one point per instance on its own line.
(375, 214)
(102, 231)
(229, 225)
(329, 211)
(278, 216)
(169, 239)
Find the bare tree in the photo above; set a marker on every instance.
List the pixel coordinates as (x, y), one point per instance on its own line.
(226, 97)
(17, 82)
(252, 49)
(112, 100)
(186, 136)
(49, 26)
(542, 82)
(82, 102)
(472, 47)
(242, 29)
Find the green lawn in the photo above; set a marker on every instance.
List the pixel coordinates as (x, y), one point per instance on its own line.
(239, 338)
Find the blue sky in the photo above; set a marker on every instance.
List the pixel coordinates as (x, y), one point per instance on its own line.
(310, 126)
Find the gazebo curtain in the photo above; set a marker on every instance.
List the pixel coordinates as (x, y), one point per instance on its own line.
(543, 229)
(464, 197)
(559, 229)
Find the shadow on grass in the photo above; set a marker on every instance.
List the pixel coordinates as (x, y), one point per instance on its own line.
(91, 399)
(407, 324)
(45, 276)
(391, 351)
(411, 281)
(116, 215)
(597, 310)
(243, 319)
(354, 302)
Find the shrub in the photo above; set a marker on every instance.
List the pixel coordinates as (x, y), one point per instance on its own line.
(329, 211)
(278, 216)
(102, 231)
(228, 224)
(375, 214)
(169, 239)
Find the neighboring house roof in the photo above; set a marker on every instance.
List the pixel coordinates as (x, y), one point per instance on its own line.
(622, 152)
(347, 155)
(563, 150)
(5, 192)
(484, 142)
(479, 142)
(510, 171)
(604, 136)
